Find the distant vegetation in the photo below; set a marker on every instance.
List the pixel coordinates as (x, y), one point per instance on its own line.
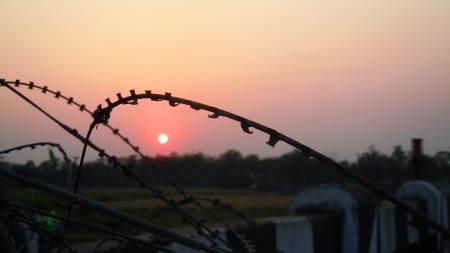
(232, 170)
(280, 178)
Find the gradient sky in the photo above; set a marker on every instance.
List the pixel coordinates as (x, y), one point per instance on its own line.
(337, 76)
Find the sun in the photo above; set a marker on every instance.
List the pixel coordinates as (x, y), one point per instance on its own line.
(162, 138)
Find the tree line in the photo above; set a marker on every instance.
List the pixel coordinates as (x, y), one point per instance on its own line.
(232, 170)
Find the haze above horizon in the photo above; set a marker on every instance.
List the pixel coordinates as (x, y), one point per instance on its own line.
(337, 77)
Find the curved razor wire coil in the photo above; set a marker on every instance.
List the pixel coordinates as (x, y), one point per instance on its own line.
(275, 136)
(115, 131)
(127, 170)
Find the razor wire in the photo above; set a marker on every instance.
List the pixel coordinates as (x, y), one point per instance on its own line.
(33, 146)
(115, 131)
(378, 193)
(341, 172)
(127, 171)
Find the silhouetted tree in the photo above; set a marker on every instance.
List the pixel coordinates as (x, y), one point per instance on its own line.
(232, 170)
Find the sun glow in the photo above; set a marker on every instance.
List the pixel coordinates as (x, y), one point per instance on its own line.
(162, 138)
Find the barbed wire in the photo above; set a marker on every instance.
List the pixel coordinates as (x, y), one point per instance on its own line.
(127, 171)
(115, 131)
(274, 136)
(41, 144)
(378, 193)
(33, 146)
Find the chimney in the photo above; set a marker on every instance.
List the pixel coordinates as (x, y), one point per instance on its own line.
(416, 157)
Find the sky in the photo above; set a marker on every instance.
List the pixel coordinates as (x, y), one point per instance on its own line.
(337, 76)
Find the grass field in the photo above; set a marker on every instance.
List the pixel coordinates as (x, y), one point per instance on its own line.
(140, 203)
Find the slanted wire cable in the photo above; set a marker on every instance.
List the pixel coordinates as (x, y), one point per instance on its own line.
(198, 225)
(87, 225)
(136, 149)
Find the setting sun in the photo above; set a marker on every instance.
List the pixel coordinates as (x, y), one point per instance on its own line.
(162, 138)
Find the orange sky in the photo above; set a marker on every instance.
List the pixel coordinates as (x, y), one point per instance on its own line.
(336, 76)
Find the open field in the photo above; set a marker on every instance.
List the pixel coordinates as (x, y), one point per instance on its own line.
(138, 202)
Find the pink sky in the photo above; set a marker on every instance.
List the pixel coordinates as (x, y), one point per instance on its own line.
(336, 76)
